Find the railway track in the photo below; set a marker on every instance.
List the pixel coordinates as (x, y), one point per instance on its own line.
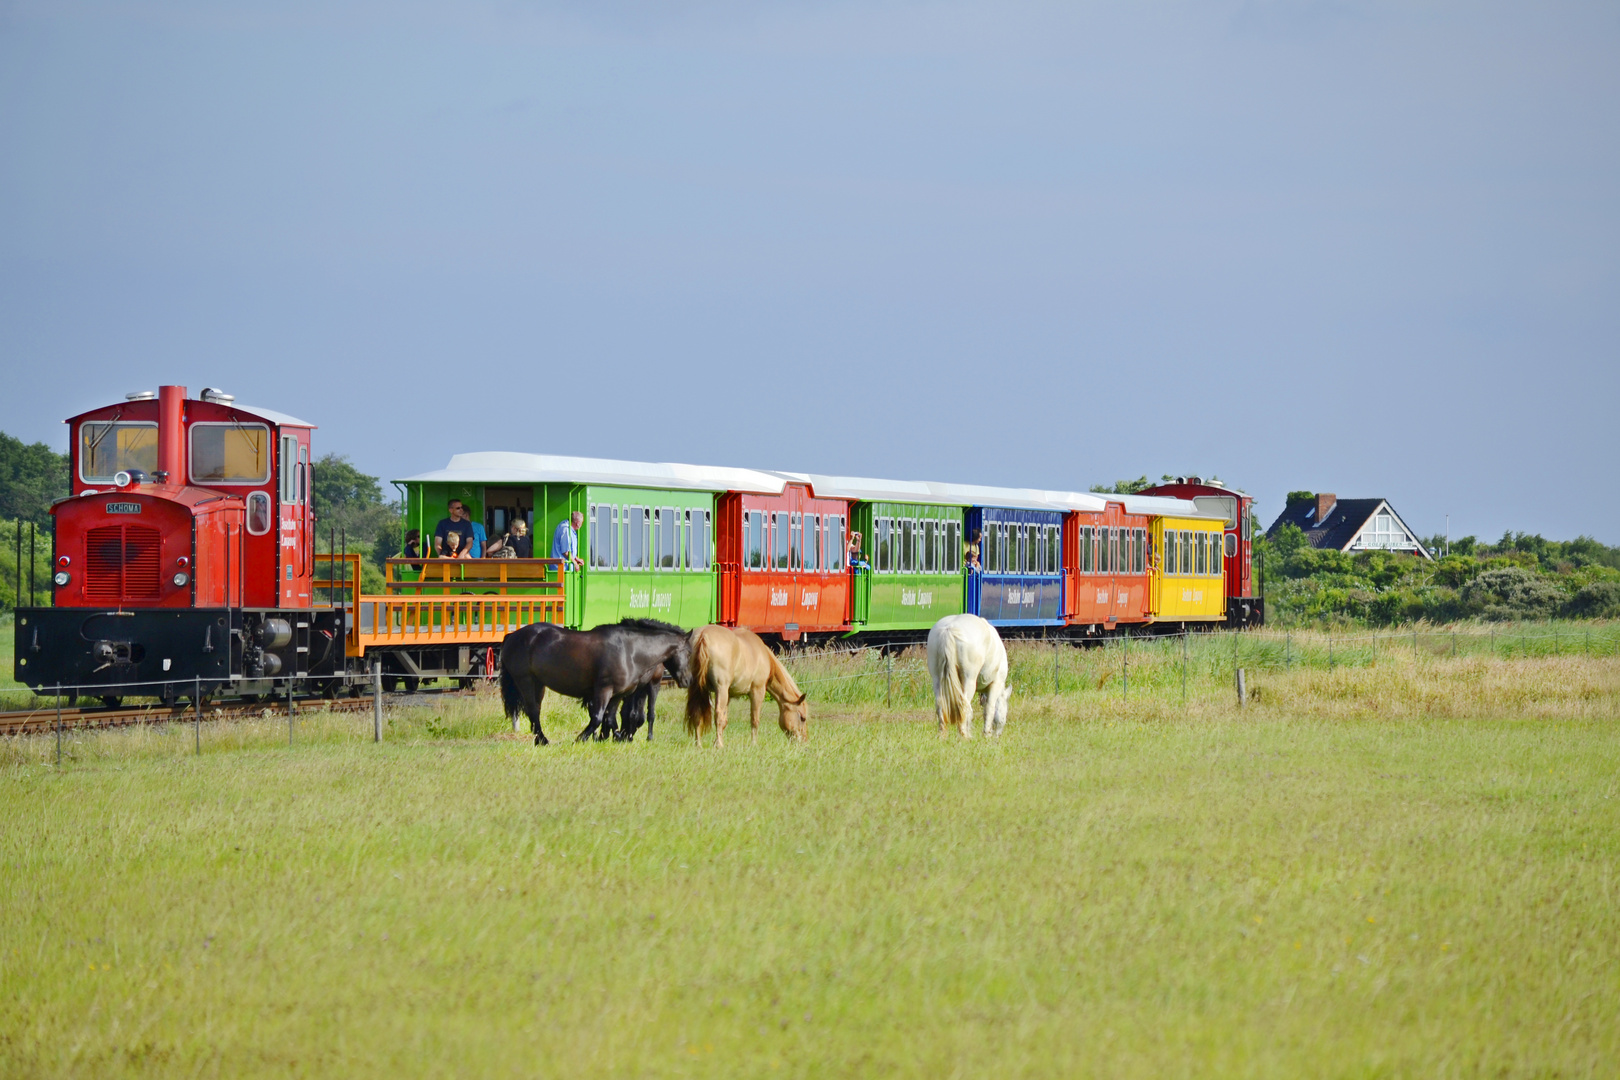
(45, 719)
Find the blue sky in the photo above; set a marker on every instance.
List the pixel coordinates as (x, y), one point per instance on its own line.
(1364, 248)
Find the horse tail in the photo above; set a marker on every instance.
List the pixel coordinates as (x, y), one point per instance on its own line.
(698, 702)
(951, 693)
(511, 699)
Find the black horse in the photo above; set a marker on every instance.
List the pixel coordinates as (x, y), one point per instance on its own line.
(600, 667)
(641, 706)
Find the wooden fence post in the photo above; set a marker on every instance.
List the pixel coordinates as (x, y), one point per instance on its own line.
(376, 700)
(1242, 690)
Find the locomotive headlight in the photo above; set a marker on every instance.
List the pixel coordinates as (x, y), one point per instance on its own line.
(62, 577)
(180, 579)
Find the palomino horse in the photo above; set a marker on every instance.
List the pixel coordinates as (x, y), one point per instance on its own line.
(600, 667)
(965, 655)
(728, 661)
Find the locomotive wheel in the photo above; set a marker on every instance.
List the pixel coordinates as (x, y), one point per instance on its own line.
(112, 701)
(250, 699)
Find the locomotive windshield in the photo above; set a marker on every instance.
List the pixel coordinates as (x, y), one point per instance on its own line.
(105, 448)
(230, 453)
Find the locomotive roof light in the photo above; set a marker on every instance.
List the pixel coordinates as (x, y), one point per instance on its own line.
(180, 580)
(141, 395)
(62, 577)
(217, 396)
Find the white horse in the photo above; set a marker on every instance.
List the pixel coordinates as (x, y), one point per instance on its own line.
(966, 656)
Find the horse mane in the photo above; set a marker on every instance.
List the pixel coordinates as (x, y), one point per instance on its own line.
(780, 678)
(651, 626)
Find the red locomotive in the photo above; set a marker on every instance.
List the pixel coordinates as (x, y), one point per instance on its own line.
(184, 558)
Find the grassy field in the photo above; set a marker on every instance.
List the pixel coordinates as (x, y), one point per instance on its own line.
(1407, 868)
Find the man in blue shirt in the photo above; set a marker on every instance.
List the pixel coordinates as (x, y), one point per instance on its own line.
(565, 541)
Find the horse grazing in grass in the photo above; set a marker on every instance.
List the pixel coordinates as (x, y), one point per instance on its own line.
(966, 656)
(728, 661)
(600, 667)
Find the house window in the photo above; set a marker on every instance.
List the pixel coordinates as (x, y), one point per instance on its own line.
(1385, 533)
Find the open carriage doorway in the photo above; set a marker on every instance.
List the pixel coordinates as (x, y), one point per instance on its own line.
(504, 505)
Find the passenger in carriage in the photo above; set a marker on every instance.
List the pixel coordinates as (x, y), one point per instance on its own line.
(565, 541)
(519, 540)
(970, 551)
(853, 555)
(456, 523)
(453, 549)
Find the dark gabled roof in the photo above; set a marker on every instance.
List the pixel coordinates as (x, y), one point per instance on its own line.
(1344, 520)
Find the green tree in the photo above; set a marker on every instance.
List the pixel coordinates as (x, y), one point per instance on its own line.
(350, 510)
(31, 478)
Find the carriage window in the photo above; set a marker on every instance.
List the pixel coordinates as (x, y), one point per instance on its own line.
(930, 546)
(832, 541)
(1168, 563)
(1029, 545)
(637, 522)
(885, 543)
(230, 454)
(664, 529)
(812, 542)
(1200, 556)
(1186, 552)
(105, 448)
(779, 541)
(1141, 551)
(796, 542)
(1114, 563)
(1127, 550)
(697, 540)
(1054, 549)
(905, 564)
(754, 539)
(1043, 541)
(599, 536)
(953, 547)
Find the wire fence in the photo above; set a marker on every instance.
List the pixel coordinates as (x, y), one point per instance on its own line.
(1188, 666)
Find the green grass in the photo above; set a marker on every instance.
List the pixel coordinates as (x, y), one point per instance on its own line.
(1322, 884)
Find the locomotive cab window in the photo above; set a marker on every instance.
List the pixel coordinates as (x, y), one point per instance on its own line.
(105, 449)
(224, 453)
(258, 512)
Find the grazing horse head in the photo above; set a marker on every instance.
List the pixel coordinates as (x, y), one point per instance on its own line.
(795, 716)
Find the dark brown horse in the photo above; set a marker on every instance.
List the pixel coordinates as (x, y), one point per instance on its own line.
(600, 667)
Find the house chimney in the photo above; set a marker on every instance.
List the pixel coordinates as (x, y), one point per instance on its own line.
(1324, 506)
(171, 457)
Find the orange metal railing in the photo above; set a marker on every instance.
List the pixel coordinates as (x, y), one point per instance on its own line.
(452, 602)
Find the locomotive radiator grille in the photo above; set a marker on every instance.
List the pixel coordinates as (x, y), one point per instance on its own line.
(122, 562)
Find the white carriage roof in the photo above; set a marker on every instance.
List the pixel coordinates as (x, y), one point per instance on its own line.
(500, 467)
(1162, 506)
(277, 418)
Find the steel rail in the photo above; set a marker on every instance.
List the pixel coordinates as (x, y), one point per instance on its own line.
(43, 720)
